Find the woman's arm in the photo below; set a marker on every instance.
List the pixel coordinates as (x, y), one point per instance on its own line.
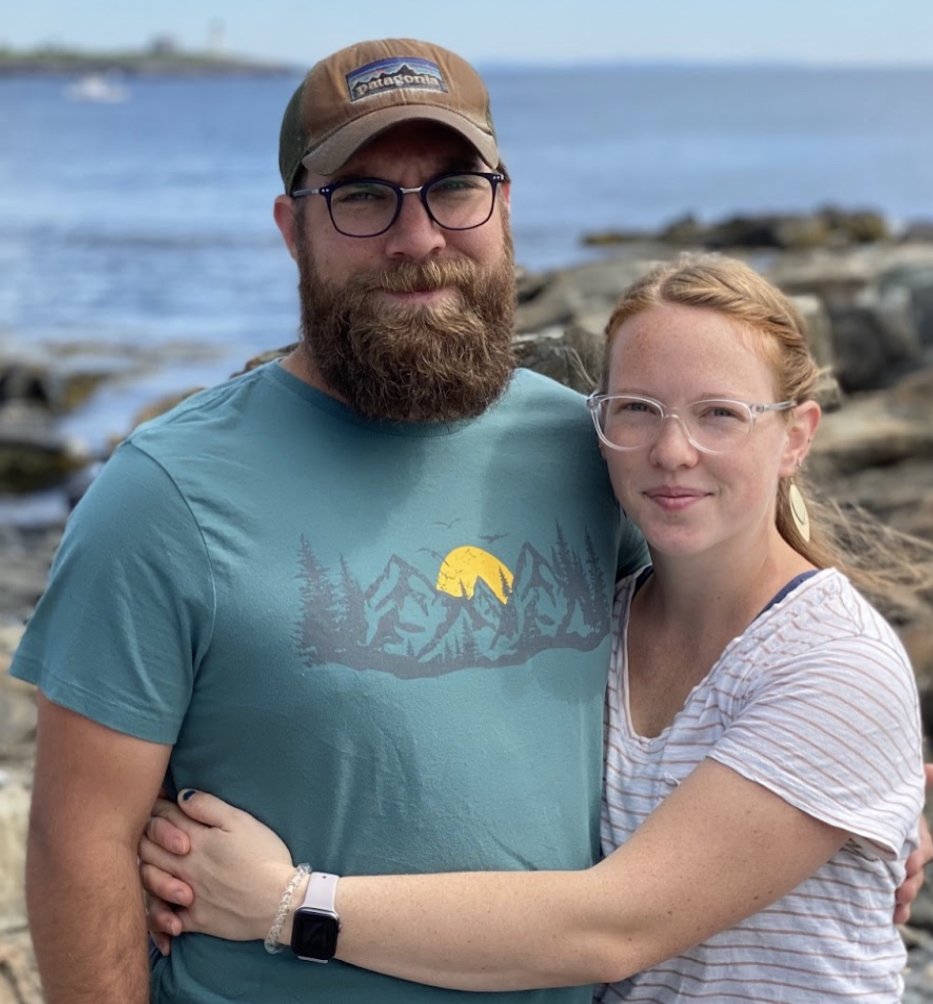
(718, 849)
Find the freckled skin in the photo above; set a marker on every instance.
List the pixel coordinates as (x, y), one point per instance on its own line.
(680, 354)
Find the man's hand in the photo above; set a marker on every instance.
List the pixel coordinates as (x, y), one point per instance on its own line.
(913, 882)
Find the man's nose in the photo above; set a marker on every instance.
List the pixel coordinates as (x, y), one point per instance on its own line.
(414, 234)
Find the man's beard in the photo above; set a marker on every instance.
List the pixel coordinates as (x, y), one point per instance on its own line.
(412, 363)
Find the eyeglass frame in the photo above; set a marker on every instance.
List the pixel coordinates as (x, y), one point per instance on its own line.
(495, 179)
(597, 398)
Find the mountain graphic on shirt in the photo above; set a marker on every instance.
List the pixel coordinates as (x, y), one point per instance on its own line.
(404, 623)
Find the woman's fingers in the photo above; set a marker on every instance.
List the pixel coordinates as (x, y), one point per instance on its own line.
(164, 885)
(207, 809)
(162, 942)
(165, 834)
(164, 923)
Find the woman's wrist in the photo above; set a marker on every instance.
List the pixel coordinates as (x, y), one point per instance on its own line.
(297, 899)
(280, 930)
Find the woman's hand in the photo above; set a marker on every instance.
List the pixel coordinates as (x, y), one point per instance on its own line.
(228, 883)
(910, 888)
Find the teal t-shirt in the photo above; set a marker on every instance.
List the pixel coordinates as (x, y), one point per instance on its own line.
(389, 642)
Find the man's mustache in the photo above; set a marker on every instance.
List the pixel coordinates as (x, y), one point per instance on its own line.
(417, 277)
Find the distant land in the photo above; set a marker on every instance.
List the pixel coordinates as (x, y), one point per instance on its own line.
(160, 58)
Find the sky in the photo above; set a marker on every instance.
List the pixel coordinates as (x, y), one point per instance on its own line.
(822, 32)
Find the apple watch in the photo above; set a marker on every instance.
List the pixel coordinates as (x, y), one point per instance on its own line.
(316, 925)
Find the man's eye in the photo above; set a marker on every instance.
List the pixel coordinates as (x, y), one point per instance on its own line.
(360, 194)
(452, 183)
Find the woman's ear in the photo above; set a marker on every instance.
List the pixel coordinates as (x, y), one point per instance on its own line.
(805, 418)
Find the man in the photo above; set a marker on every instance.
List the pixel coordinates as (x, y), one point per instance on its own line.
(363, 594)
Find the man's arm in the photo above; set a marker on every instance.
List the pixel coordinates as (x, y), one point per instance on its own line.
(91, 799)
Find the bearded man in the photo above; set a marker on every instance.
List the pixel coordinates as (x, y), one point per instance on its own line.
(363, 593)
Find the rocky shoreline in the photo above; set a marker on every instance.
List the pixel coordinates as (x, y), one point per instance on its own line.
(868, 298)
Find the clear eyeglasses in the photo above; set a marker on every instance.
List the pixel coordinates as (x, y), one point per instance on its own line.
(367, 207)
(714, 425)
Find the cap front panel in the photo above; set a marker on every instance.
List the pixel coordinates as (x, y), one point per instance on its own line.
(398, 73)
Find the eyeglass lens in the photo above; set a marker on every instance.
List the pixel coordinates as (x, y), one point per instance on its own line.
(455, 202)
(712, 425)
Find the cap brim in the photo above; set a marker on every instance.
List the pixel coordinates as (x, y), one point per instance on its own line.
(328, 157)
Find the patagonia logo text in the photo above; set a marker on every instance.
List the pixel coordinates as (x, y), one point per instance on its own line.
(398, 73)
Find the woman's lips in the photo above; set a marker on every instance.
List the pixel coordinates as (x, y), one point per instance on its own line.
(675, 499)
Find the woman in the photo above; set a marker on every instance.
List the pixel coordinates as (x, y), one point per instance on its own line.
(763, 766)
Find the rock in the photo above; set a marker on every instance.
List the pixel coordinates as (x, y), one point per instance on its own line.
(25, 557)
(685, 230)
(829, 227)
(33, 454)
(899, 494)
(819, 328)
(573, 355)
(913, 282)
(861, 226)
(880, 308)
(560, 298)
(871, 344)
(917, 231)
(18, 707)
(59, 387)
(14, 819)
(19, 978)
(878, 430)
(608, 238)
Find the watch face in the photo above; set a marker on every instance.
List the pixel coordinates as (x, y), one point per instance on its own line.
(314, 935)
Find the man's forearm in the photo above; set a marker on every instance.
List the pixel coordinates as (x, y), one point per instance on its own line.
(87, 919)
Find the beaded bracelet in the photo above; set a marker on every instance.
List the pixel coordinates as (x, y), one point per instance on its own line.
(272, 938)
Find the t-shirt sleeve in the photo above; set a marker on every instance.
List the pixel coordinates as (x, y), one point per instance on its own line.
(835, 731)
(120, 630)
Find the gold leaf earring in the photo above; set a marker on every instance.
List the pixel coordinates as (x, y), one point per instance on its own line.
(798, 511)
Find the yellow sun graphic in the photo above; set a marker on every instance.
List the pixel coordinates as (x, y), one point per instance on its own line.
(463, 566)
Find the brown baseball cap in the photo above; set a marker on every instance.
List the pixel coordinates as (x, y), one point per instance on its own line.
(353, 95)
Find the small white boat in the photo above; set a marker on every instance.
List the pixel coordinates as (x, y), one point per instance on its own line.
(106, 88)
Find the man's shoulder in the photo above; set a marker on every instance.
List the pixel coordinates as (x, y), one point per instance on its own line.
(533, 383)
(211, 420)
(201, 407)
(539, 395)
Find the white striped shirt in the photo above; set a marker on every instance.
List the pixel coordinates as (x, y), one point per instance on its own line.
(816, 701)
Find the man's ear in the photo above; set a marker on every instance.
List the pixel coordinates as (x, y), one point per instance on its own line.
(505, 195)
(286, 219)
(800, 432)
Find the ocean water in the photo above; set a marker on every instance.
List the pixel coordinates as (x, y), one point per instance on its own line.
(137, 237)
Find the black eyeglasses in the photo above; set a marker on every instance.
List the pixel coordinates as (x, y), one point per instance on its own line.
(367, 207)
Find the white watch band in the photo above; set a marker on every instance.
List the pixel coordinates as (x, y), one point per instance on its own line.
(321, 892)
